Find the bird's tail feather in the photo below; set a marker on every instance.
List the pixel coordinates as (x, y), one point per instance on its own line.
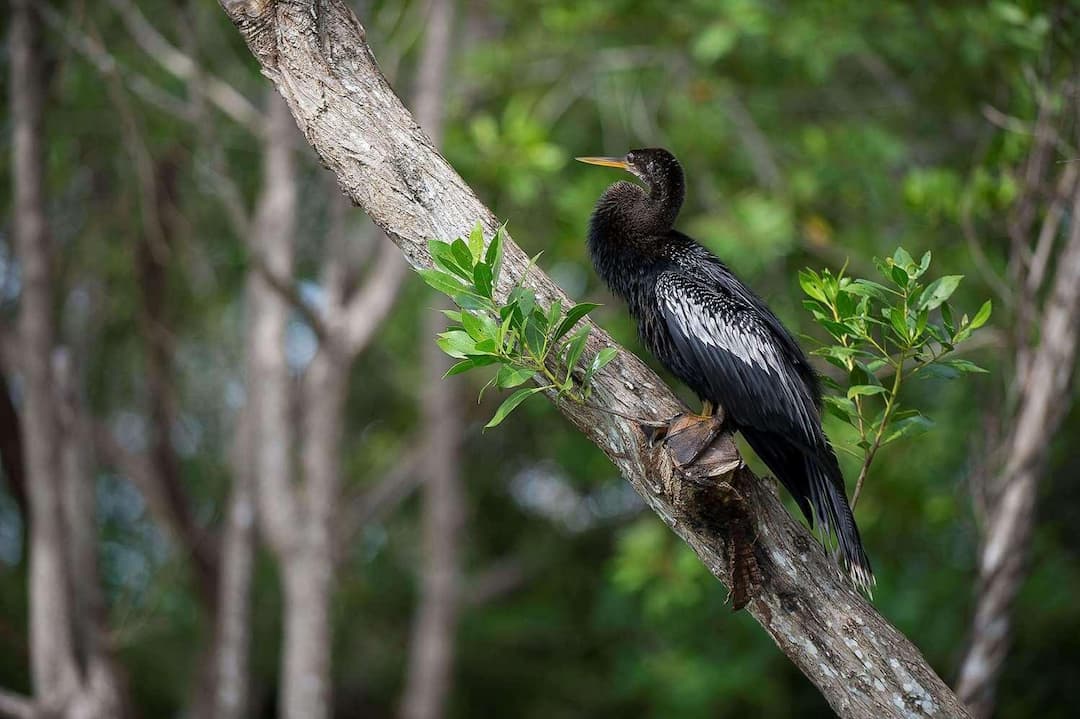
(816, 483)
(829, 499)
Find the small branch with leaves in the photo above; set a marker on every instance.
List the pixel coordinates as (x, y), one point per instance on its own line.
(882, 335)
(521, 338)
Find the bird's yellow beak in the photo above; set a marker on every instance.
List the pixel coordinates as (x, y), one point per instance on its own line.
(618, 162)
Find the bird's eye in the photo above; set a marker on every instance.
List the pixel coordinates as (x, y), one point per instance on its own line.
(630, 157)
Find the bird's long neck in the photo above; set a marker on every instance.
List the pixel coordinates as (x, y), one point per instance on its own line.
(665, 199)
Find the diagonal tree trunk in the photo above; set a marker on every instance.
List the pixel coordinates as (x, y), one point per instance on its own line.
(316, 55)
(431, 650)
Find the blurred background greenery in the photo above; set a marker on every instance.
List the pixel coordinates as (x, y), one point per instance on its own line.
(812, 134)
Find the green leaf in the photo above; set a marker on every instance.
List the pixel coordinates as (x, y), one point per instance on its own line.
(842, 408)
(868, 288)
(938, 370)
(830, 382)
(471, 301)
(504, 330)
(909, 427)
(509, 376)
(443, 282)
(575, 347)
(920, 322)
(947, 318)
(535, 334)
(899, 323)
(462, 255)
(839, 330)
(902, 258)
(599, 361)
(836, 355)
(811, 285)
(476, 242)
(482, 279)
(456, 343)
(965, 366)
(573, 316)
(864, 390)
(473, 326)
(526, 300)
(981, 316)
(493, 255)
(899, 276)
(511, 403)
(553, 313)
(938, 291)
(463, 366)
(443, 256)
(924, 265)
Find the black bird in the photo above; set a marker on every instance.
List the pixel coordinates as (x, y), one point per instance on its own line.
(713, 333)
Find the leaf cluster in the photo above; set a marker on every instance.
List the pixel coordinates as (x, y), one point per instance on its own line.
(519, 337)
(881, 334)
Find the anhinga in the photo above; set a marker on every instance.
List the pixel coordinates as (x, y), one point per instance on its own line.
(713, 333)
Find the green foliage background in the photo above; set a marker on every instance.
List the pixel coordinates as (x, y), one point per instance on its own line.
(812, 134)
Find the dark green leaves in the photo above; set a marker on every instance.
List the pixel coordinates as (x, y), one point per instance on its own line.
(525, 340)
(882, 333)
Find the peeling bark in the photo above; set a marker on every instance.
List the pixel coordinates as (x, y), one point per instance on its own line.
(316, 55)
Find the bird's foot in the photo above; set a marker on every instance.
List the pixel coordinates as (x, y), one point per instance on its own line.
(689, 436)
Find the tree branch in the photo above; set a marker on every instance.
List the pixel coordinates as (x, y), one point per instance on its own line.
(15, 706)
(223, 95)
(316, 55)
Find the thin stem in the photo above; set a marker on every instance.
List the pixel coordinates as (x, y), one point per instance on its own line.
(890, 405)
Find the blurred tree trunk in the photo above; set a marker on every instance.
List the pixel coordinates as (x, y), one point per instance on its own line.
(317, 57)
(1044, 355)
(302, 688)
(230, 680)
(102, 691)
(72, 671)
(431, 651)
(54, 671)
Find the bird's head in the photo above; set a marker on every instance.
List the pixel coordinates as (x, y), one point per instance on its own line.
(652, 165)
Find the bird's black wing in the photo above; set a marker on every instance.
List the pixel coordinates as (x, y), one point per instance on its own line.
(727, 348)
(699, 261)
(730, 352)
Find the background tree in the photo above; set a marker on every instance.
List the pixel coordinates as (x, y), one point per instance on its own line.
(812, 136)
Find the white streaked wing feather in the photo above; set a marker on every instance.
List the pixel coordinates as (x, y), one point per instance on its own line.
(738, 333)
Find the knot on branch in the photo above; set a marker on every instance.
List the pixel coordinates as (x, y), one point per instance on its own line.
(255, 19)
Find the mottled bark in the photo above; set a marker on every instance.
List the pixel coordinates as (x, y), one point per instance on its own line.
(316, 55)
(1045, 370)
(431, 650)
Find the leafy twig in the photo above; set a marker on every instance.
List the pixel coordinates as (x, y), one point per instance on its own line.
(519, 337)
(876, 328)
